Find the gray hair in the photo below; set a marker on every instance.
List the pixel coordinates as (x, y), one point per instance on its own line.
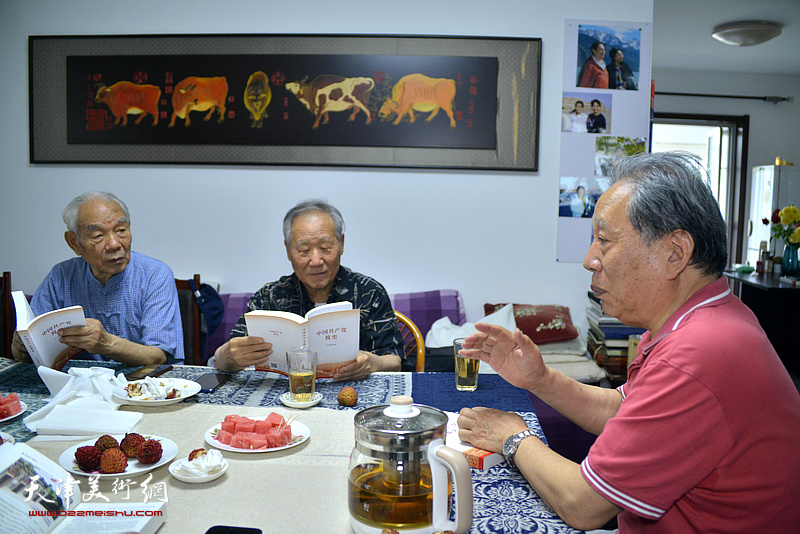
(668, 193)
(70, 213)
(305, 206)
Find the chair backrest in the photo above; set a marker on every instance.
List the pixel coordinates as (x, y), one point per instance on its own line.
(190, 318)
(412, 340)
(8, 316)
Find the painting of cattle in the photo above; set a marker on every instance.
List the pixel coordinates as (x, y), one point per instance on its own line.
(417, 92)
(125, 98)
(257, 96)
(199, 94)
(328, 92)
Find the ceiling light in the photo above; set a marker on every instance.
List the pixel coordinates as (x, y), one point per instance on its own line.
(746, 32)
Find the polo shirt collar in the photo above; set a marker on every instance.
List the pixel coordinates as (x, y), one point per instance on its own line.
(713, 294)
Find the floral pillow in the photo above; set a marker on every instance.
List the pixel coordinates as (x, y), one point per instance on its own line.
(546, 323)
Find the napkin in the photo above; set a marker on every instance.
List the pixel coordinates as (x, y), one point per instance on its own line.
(206, 464)
(81, 404)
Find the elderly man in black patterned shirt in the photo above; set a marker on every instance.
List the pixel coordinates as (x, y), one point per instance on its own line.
(313, 233)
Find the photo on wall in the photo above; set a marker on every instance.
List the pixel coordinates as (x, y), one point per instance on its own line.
(608, 57)
(577, 197)
(611, 150)
(586, 112)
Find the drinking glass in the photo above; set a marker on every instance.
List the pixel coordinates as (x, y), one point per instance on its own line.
(302, 363)
(466, 369)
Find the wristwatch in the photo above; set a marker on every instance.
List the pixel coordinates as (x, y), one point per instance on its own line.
(512, 444)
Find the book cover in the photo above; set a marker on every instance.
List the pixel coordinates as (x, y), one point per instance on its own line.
(46, 505)
(40, 334)
(332, 329)
(476, 458)
(599, 317)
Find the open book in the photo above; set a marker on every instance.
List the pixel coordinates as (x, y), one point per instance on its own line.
(40, 334)
(37, 497)
(332, 329)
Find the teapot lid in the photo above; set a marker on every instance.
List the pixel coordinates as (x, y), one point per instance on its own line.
(400, 426)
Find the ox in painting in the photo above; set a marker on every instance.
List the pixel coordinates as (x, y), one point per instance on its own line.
(417, 92)
(126, 97)
(328, 92)
(257, 96)
(199, 94)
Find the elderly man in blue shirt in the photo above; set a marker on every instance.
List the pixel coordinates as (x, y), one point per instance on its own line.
(130, 300)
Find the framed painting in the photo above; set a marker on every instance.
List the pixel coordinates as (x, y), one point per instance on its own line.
(341, 100)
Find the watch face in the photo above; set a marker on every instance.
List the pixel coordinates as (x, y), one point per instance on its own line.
(508, 446)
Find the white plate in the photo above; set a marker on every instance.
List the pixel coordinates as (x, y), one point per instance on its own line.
(7, 438)
(169, 449)
(286, 398)
(10, 417)
(193, 479)
(187, 389)
(300, 433)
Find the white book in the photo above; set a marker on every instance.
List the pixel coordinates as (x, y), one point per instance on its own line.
(476, 458)
(40, 334)
(34, 500)
(332, 329)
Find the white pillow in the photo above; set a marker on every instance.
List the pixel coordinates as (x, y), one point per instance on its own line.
(443, 331)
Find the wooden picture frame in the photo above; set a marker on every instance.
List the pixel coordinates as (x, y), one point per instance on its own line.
(331, 100)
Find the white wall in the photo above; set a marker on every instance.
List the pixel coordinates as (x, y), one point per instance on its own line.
(491, 235)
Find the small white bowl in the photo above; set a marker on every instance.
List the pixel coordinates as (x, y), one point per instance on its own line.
(193, 479)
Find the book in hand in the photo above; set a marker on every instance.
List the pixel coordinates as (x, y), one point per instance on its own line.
(476, 458)
(40, 334)
(332, 329)
(36, 497)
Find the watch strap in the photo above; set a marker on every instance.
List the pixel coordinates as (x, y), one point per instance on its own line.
(514, 441)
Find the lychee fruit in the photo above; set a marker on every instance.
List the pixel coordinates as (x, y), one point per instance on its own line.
(348, 397)
(88, 457)
(150, 451)
(197, 453)
(113, 461)
(131, 444)
(105, 442)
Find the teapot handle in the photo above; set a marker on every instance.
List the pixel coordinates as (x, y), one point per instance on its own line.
(442, 458)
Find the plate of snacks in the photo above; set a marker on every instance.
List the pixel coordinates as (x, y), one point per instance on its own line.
(6, 438)
(242, 434)
(200, 466)
(11, 407)
(111, 456)
(157, 391)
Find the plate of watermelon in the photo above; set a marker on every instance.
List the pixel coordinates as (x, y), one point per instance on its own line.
(11, 407)
(242, 434)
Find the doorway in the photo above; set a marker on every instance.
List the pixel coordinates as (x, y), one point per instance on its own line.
(720, 144)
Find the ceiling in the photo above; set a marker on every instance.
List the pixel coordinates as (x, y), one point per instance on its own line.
(682, 36)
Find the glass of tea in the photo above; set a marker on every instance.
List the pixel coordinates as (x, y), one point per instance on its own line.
(302, 363)
(466, 369)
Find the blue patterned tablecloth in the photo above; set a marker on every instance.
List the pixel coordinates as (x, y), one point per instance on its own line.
(503, 501)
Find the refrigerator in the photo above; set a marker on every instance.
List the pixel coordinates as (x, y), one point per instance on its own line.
(773, 187)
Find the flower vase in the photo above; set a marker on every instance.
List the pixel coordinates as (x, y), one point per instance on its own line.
(789, 263)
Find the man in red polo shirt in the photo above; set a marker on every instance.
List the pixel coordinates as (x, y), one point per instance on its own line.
(705, 434)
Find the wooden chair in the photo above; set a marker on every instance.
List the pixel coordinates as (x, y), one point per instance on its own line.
(9, 316)
(412, 340)
(190, 317)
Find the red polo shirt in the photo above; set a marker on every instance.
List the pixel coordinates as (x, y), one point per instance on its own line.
(707, 438)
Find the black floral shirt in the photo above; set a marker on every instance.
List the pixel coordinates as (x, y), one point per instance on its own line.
(379, 333)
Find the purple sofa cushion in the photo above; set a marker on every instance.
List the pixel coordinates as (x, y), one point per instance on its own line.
(425, 307)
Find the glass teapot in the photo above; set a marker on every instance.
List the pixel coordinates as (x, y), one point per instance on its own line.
(399, 472)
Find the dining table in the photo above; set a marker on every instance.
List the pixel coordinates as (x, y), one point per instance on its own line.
(299, 489)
